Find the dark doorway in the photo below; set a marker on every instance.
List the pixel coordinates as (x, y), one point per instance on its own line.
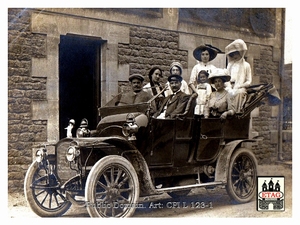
(79, 81)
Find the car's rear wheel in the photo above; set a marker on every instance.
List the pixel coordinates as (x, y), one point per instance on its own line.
(112, 188)
(242, 173)
(42, 191)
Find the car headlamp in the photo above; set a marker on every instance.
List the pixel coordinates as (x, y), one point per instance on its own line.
(40, 154)
(129, 129)
(72, 153)
(83, 130)
(133, 124)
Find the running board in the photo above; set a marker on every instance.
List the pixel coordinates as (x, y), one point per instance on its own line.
(186, 187)
(75, 202)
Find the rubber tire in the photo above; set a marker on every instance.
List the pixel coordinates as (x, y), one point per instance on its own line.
(34, 202)
(247, 183)
(96, 173)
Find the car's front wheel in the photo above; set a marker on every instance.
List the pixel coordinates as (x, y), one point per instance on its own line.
(42, 190)
(242, 173)
(112, 188)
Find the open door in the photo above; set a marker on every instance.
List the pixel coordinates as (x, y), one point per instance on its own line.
(79, 81)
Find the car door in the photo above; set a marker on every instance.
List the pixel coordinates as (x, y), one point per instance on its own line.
(162, 142)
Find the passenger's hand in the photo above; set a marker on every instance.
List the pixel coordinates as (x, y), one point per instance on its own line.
(231, 92)
(237, 86)
(223, 116)
(194, 95)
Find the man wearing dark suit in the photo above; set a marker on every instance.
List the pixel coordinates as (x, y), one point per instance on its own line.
(173, 104)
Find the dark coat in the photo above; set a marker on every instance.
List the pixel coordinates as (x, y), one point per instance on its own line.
(175, 105)
(134, 98)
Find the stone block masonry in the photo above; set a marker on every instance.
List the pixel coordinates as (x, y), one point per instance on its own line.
(266, 68)
(151, 47)
(23, 132)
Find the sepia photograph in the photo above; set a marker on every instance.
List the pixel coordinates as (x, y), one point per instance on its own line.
(149, 112)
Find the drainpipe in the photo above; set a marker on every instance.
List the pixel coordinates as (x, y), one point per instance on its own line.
(282, 71)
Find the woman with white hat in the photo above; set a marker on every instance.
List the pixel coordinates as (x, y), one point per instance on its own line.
(240, 72)
(219, 103)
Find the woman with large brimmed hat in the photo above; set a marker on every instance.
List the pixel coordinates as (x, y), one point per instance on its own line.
(204, 54)
(222, 74)
(219, 103)
(213, 51)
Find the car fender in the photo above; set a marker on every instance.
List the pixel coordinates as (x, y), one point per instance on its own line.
(132, 154)
(118, 141)
(223, 161)
(140, 165)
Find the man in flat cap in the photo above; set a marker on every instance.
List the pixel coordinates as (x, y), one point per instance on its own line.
(137, 95)
(174, 104)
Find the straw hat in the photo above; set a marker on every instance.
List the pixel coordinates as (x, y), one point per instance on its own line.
(219, 73)
(213, 51)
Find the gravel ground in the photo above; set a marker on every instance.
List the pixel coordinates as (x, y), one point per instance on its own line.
(222, 205)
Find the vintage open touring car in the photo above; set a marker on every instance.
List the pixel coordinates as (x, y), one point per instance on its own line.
(131, 154)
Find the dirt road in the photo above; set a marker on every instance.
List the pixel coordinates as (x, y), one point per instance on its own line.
(199, 203)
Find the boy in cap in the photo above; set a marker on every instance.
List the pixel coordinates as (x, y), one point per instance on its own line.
(175, 103)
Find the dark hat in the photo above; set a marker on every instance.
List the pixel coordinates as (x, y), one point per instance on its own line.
(213, 51)
(136, 76)
(174, 78)
(219, 73)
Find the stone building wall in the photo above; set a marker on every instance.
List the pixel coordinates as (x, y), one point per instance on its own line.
(133, 49)
(22, 90)
(287, 139)
(265, 67)
(151, 47)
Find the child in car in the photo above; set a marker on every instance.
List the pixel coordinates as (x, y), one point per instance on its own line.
(203, 90)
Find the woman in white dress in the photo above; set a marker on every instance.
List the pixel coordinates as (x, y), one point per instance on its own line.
(240, 72)
(204, 54)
